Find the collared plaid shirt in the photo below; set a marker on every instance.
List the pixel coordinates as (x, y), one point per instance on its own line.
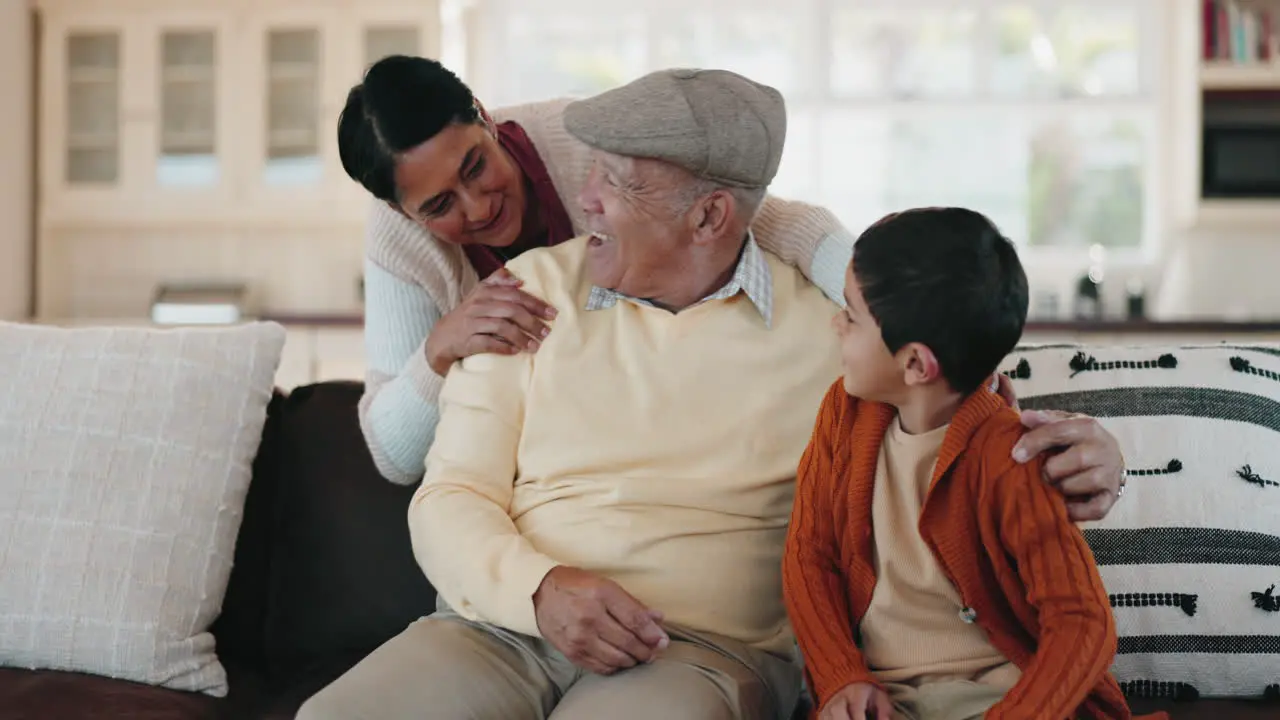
(751, 277)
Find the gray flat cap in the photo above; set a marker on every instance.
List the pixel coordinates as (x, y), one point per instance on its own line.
(716, 124)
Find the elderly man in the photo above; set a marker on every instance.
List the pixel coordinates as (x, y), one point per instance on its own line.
(604, 519)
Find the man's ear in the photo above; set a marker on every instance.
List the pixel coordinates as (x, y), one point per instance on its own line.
(712, 217)
(920, 364)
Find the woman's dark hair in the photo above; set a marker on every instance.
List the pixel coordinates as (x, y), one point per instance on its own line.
(945, 278)
(403, 102)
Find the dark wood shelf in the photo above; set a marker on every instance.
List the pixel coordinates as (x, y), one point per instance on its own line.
(1189, 327)
(336, 320)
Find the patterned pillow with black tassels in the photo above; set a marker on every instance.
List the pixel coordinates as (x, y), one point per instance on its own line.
(1191, 554)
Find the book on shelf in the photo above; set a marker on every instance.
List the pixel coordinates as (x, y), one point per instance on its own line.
(1241, 32)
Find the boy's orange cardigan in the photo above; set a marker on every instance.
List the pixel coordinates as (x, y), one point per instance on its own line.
(1000, 533)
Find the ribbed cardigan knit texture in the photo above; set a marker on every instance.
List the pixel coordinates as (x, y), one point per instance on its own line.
(1000, 533)
(412, 280)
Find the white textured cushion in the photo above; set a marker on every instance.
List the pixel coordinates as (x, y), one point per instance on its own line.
(1190, 551)
(125, 458)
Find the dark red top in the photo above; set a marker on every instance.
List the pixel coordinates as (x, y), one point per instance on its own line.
(559, 228)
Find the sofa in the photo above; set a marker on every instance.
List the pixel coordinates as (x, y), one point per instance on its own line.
(323, 574)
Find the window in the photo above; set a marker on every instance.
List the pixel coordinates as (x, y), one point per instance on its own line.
(1069, 180)
(93, 108)
(767, 45)
(1072, 51)
(888, 51)
(379, 42)
(547, 54)
(187, 109)
(293, 110)
(1040, 114)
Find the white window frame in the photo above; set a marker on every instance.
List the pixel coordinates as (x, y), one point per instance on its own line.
(486, 64)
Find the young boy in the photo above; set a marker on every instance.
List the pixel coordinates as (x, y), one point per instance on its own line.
(928, 575)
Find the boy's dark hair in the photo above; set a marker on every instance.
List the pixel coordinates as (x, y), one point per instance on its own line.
(403, 102)
(944, 277)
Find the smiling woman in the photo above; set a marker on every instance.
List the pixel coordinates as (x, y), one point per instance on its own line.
(469, 173)
(458, 193)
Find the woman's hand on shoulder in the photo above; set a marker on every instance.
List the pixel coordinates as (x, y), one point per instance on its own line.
(496, 317)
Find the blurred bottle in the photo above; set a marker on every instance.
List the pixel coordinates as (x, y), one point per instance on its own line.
(1088, 300)
(1135, 298)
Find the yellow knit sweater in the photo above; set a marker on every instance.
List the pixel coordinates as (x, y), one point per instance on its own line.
(656, 449)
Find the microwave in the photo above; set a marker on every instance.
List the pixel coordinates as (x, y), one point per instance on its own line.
(1241, 147)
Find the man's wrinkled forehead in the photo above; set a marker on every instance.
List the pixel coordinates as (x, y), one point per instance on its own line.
(613, 162)
(637, 171)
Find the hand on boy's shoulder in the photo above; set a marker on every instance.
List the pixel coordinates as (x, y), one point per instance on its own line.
(995, 442)
(1004, 387)
(1000, 434)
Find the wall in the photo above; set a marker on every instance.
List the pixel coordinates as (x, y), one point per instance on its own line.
(16, 109)
(1228, 273)
(112, 272)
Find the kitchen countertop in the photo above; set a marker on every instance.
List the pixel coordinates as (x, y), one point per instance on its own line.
(1188, 326)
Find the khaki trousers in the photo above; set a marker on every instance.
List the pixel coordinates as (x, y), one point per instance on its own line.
(945, 700)
(448, 668)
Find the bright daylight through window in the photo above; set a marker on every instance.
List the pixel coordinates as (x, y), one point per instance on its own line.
(1041, 114)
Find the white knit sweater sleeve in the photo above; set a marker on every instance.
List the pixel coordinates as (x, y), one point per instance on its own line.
(807, 237)
(411, 280)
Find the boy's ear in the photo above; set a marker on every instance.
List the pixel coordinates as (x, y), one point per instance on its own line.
(921, 365)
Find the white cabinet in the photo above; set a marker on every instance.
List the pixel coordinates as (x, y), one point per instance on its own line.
(195, 141)
(339, 354)
(297, 362)
(129, 89)
(1191, 78)
(317, 353)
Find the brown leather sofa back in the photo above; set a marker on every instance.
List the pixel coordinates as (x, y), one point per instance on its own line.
(324, 569)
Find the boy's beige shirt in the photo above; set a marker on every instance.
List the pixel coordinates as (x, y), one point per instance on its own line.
(914, 631)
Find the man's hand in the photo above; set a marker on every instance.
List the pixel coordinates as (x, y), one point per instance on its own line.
(1004, 386)
(859, 701)
(1086, 464)
(595, 623)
